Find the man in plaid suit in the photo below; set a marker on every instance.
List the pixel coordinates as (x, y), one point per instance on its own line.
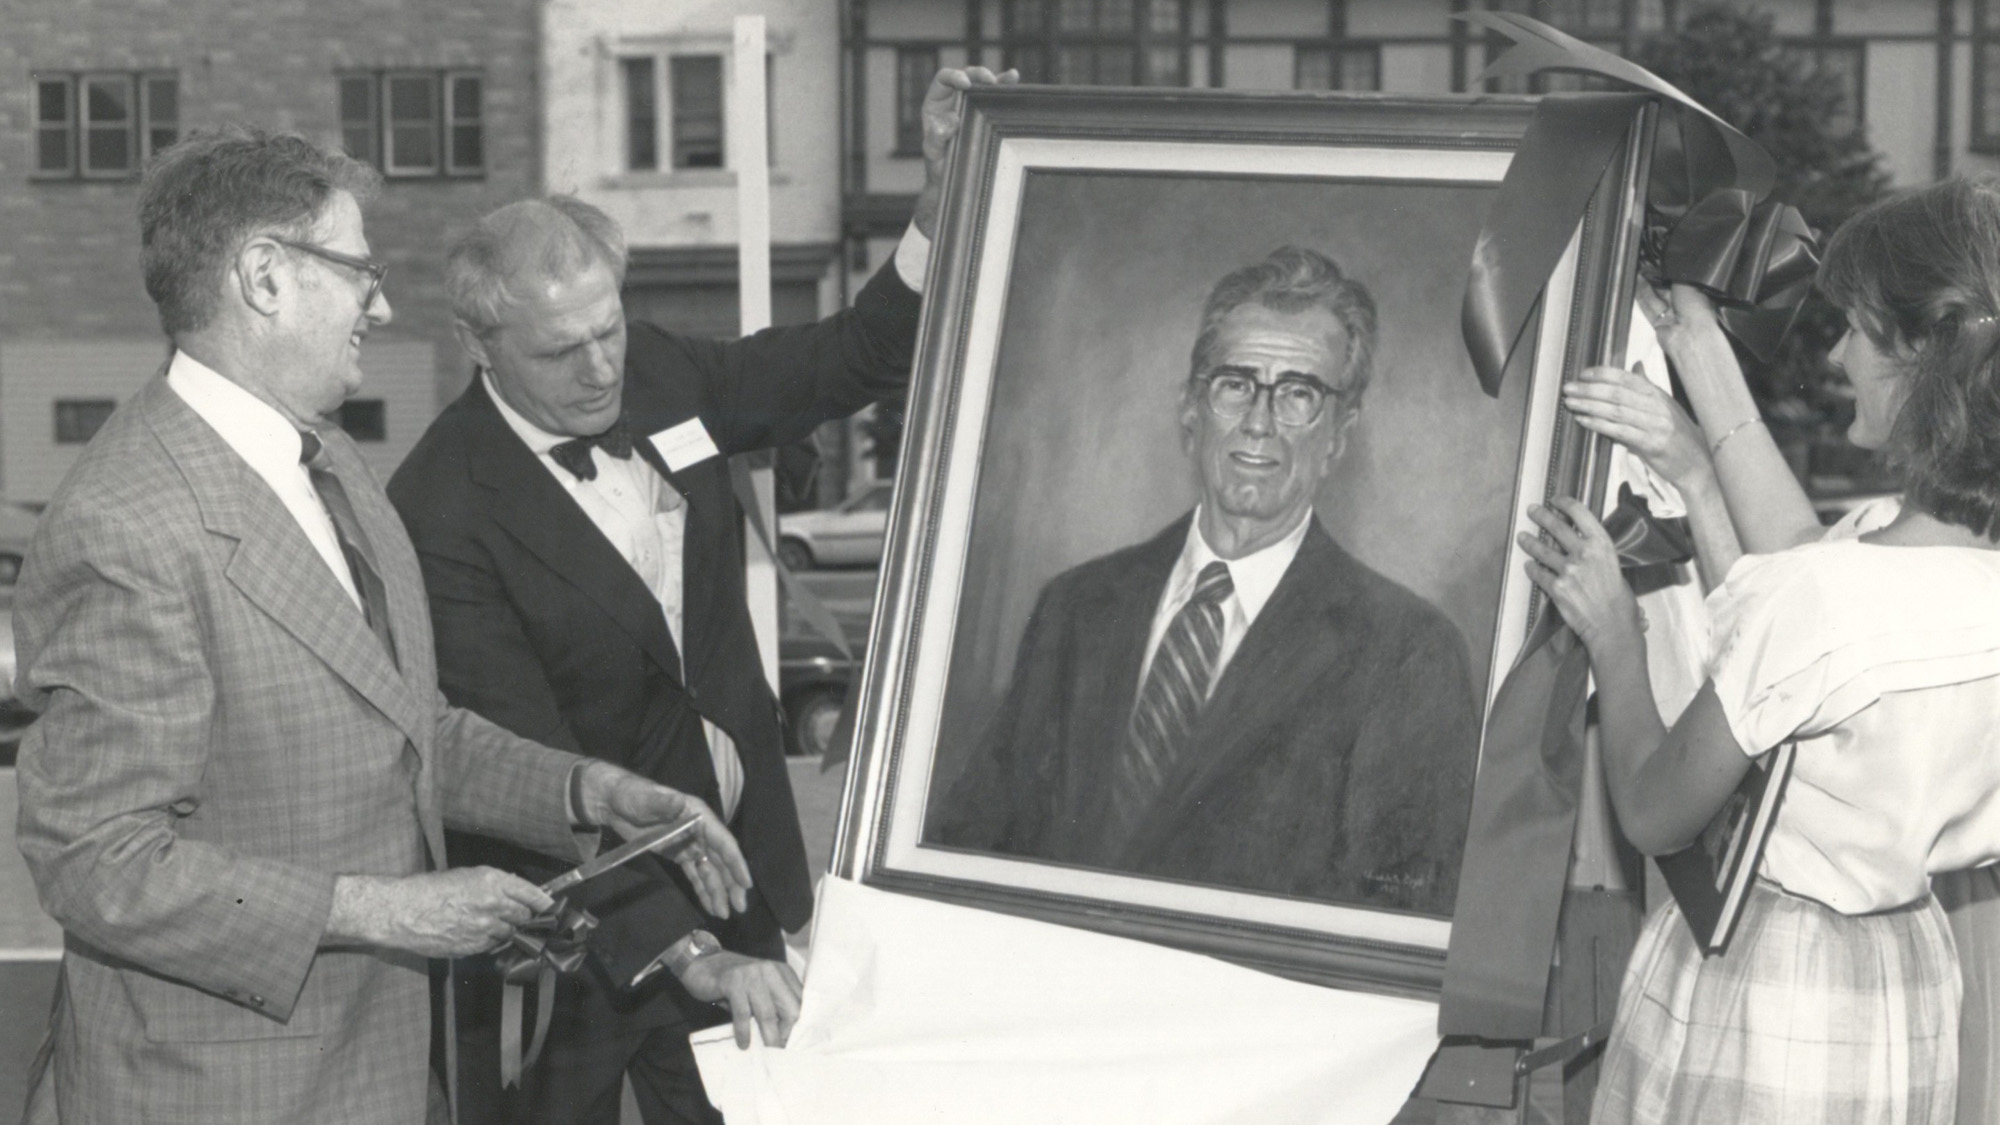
(235, 799)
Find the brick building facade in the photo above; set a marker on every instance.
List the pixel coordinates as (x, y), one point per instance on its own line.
(442, 94)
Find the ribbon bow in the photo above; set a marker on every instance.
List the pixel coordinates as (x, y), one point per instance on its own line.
(1756, 258)
(1708, 221)
(541, 949)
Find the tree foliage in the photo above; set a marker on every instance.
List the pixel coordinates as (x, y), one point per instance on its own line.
(1731, 60)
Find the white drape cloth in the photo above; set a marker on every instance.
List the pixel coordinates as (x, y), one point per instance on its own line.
(917, 1011)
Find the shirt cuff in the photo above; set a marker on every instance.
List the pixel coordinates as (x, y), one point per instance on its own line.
(913, 258)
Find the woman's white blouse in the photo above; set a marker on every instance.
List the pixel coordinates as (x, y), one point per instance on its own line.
(1884, 664)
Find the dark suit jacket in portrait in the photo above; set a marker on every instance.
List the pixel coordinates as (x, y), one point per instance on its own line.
(221, 734)
(1333, 760)
(543, 627)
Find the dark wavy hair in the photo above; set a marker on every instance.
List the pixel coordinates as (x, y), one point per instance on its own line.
(1293, 279)
(204, 197)
(1920, 271)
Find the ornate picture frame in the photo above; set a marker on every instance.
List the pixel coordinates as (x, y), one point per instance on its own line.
(1050, 427)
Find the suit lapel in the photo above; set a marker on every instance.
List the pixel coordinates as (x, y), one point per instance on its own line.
(1283, 654)
(276, 567)
(1111, 643)
(708, 564)
(536, 511)
(409, 620)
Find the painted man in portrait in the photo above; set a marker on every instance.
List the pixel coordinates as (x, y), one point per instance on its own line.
(1238, 702)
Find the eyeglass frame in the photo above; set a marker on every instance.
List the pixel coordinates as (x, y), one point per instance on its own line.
(376, 271)
(1270, 392)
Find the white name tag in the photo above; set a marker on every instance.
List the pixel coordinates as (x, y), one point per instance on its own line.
(684, 445)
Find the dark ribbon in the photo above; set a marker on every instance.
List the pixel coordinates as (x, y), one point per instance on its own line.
(543, 948)
(1524, 806)
(1756, 257)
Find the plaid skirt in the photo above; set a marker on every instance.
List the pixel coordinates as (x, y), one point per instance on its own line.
(1971, 901)
(1811, 1016)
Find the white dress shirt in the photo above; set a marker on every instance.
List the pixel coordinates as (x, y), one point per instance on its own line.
(645, 520)
(269, 442)
(1255, 576)
(913, 258)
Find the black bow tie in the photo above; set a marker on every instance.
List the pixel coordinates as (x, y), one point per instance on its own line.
(574, 454)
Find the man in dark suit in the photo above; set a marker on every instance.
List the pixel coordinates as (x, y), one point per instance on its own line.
(583, 549)
(1238, 701)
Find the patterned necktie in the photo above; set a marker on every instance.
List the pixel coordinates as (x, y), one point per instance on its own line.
(574, 454)
(1171, 699)
(353, 542)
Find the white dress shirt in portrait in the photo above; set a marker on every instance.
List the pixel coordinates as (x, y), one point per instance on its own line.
(1254, 577)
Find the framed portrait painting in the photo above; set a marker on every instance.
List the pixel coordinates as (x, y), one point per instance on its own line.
(1201, 576)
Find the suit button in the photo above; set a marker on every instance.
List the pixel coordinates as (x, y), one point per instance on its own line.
(256, 1001)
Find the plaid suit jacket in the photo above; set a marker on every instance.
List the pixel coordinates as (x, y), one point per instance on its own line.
(221, 735)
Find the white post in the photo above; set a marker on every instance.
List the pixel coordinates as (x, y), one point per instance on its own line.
(749, 157)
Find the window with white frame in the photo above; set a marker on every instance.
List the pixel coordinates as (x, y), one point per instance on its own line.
(641, 81)
(102, 124)
(672, 111)
(415, 123)
(79, 419)
(695, 93)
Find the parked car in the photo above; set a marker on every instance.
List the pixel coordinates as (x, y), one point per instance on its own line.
(849, 535)
(17, 527)
(813, 678)
(6, 662)
(813, 672)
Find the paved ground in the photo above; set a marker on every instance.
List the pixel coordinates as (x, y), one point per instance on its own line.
(29, 941)
(28, 945)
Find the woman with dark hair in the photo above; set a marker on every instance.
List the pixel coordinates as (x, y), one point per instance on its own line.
(1875, 647)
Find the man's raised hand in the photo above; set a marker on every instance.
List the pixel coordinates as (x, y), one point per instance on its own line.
(629, 804)
(942, 112)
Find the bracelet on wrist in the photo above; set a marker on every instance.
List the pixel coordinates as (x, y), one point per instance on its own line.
(1715, 446)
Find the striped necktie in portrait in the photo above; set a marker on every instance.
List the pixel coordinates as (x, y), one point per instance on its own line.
(353, 541)
(1170, 701)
